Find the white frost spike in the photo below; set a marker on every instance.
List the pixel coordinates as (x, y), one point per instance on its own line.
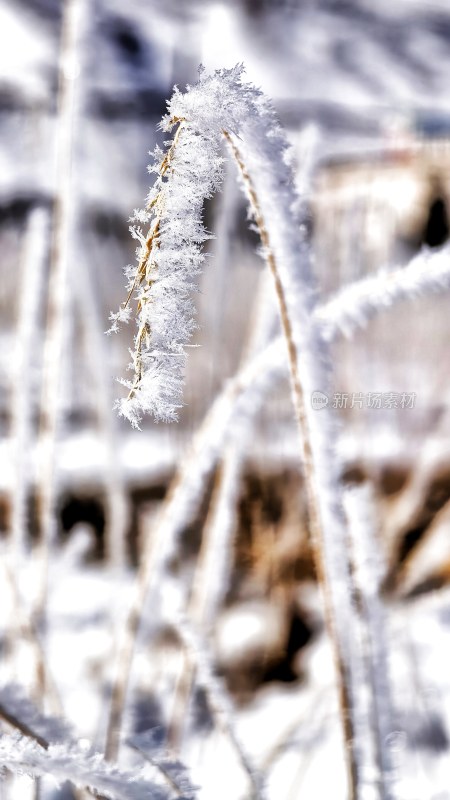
(15, 705)
(151, 747)
(170, 253)
(72, 763)
(355, 305)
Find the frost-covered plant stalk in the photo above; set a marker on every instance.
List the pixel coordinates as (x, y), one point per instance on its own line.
(170, 256)
(369, 572)
(169, 259)
(43, 745)
(222, 105)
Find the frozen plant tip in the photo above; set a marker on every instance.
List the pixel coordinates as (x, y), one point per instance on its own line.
(169, 257)
(170, 233)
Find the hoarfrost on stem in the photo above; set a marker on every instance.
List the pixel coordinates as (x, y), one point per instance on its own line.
(169, 253)
(84, 769)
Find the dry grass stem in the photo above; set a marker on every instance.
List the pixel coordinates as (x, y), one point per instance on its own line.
(313, 509)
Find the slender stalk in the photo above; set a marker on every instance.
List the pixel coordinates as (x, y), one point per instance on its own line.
(32, 286)
(332, 567)
(58, 289)
(117, 505)
(369, 572)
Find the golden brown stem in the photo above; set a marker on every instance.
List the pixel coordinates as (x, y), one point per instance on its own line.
(315, 525)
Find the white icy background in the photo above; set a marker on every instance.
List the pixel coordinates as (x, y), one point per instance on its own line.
(365, 73)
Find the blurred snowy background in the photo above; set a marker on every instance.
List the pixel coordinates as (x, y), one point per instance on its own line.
(362, 88)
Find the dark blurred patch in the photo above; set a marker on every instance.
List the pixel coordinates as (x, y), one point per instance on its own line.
(437, 23)
(64, 792)
(393, 37)
(50, 10)
(11, 99)
(139, 498)
(5, 421)
(256, 8)
(84, 508)
(350, 62)
(430, 584)
(432, 124)
(245, 232)
(240, 229)
(392, 479)
(437, 496)
(146, 714)
(16, 209)
(354, 474)
(191, 537)
(107, 223)
(146, 103)
(130, 57)
(271, 545)
(426, 731)
(80, 417)
(438, 493)
(5, 512)
(127, 39)
(332, 117)
(437, 227)
(202, 719)
(283, 670)
(269, 661)
(354, 11)
(269, 500)
(410, 539)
